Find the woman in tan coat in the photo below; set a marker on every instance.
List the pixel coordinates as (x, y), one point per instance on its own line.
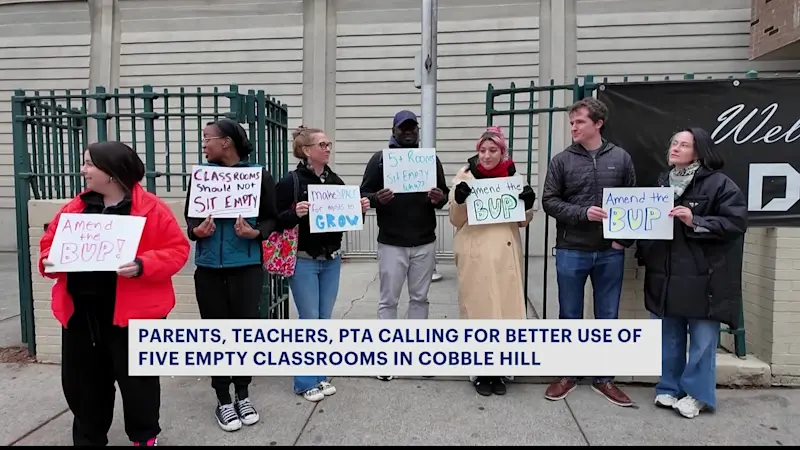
(489, 258)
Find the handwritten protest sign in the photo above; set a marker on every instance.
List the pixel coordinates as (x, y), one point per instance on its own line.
(94, 242)
(495, 200)
(409, 169)
(334, 208)
(638, 213)
(225, 192)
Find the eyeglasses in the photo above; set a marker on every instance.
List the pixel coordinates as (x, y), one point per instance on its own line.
(322, 145)
(205, 140)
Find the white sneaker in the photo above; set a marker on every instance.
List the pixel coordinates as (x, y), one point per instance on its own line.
(689, 407)
(666, 400)
(327, 388)
(313, 395)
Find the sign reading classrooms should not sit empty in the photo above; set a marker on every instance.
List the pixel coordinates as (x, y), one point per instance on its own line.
(638, 213)
(225, 192)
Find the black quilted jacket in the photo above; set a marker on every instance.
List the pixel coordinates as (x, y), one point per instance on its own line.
(574, 182)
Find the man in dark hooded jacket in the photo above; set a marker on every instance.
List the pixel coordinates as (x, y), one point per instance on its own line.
(406, 228)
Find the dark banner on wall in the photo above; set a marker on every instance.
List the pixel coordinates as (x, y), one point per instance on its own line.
(755, 124)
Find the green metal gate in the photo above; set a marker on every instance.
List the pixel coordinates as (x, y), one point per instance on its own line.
(51, 130)
(506, 103)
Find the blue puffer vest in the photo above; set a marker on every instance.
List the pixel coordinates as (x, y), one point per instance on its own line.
(224, 248)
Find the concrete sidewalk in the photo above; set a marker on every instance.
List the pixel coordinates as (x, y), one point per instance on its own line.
(438, 411)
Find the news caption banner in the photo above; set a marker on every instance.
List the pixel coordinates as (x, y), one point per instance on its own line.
(335, 208)
(94, 242)
(401, 347)
(225, 192)
(408, 170)
(495, 200)
(638, 213)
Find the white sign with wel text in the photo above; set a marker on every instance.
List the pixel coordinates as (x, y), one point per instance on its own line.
(638, 213)
(225, 192)
(409, 169)
(94, 242)
(495, 200)
(334, 208)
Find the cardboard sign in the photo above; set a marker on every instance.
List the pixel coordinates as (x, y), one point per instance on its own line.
(409, 169)
(495, 200)
(638, 213)
(225, 192)
(94, 242)
(334, 208)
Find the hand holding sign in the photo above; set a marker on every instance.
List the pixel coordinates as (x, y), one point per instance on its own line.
(436, 195)
(128, 270)
(596, 214)
(243, 229)
(385, 195)
(302, 208)
(683, 214)
(364, 205)
(205, 229)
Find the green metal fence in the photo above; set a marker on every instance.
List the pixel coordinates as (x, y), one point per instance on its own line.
(51, 130)
(527, 105)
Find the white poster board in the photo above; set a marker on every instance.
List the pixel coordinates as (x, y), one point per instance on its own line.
(94, 242)
(495, 200)
(409, 169)
(334, 208)
(225, 192)
(638, 213)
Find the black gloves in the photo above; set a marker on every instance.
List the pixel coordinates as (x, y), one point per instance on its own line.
(461, 193)
(528, 197)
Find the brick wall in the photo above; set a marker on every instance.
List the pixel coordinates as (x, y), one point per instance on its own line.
(48, 330)
(774, 24)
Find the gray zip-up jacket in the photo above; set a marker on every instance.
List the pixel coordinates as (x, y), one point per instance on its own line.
(574, 182)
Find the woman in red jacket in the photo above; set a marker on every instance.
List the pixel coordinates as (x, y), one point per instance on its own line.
(94, 307)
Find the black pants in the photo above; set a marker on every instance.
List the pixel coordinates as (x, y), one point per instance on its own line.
(94, 356)
(229, 293)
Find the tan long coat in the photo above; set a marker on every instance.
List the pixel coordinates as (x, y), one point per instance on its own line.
(490, 265)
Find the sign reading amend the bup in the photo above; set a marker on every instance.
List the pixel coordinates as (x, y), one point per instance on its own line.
(335, 208)
(638, 213)
(495, 200)
(94, 242)
(225, 192)
(409, 169)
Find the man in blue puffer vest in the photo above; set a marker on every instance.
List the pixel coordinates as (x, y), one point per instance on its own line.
(229, 275)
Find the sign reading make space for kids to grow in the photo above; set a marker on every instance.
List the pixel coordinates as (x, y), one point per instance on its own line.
(495, 200)
(638, 213)
(334, 208)
(225, 192)
(409, 169)
(94, 242)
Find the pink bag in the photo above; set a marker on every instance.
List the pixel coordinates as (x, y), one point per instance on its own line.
(280, 249)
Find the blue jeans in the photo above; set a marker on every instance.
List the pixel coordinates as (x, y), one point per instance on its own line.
(697, 376)
(314, 286)
(605, 268)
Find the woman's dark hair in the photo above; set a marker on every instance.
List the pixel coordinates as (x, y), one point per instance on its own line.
(231, 129)
(119, 161)
(705, 149)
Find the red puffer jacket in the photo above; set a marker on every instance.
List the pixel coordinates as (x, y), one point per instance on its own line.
(163, 251)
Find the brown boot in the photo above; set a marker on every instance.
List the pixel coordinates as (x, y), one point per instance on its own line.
(612, 393)
(560, 389)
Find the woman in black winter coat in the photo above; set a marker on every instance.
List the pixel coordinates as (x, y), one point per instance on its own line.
(694, 281)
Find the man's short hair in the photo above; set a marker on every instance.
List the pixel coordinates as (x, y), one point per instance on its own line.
(597, 110)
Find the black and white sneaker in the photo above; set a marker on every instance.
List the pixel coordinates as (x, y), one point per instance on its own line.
(227, 418)
(385, 377)
(246, 412)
